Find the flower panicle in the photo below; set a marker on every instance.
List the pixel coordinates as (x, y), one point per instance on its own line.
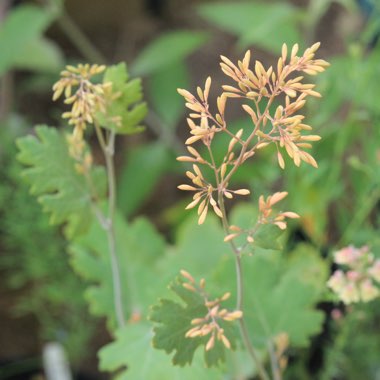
(83, 96)
(285, 126)
(209, 324)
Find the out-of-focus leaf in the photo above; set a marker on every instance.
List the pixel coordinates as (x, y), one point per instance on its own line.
(40, 55)
(144, 167)
(62, 191)
(267, 25)
(166, 50)
(280, 294)
(173, 320)
(124, 111)
(138, 247)
(133, 355)
(19, 33)
(168, 104)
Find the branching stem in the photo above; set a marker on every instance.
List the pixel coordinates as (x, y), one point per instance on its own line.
(239, 276)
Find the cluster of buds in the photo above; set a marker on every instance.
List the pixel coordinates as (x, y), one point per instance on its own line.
(266, 216)
(209, 325)
(204, 194)
(87, 99)
(284, 127)
(359, 283)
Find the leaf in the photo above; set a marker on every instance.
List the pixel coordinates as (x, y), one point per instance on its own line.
(193, 252)
(62, 191)
(40, 55)
(124, 102)
(22, 30)
(280, 294)
(163, 84)
(133, 350)
(144, 167)
(173, 320)
(138, 247)
(166, 50)
(267, 236)
(256, 22)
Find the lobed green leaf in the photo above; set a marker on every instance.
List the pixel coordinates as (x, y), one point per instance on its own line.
(62, 191)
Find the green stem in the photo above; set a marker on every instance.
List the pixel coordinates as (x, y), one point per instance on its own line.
(79, 39)
(108, 149)
(274, 362)
(239, 278)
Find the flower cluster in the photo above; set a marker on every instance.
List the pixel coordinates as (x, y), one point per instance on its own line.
(88, 98)
(209, 325)
(204, 194)
(266, 216)
(361, 279)
(284, 127)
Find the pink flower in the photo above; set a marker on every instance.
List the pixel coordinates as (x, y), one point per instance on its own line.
(374, 271)
(367, 291)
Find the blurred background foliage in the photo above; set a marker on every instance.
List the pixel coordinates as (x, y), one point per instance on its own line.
(171, 44)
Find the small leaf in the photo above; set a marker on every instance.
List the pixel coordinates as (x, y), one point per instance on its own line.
(267, 237)
(173, 321)
(124, 107)
(167, 49)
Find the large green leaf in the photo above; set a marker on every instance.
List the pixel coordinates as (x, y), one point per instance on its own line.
(138, 247)
(173, 320)
(133, 350)
(281, 292)
(163, 84)
(167, 49)
(21, 44)
(144, 167)
(63, 192)
(267, 25)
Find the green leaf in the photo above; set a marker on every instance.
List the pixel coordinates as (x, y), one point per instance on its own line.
(173, 320)
(280, 294)
(62, 191)
(21, 44)
(133, 355)
(166, 50)
(126, 105)
(267, 236)
(40, 55)
(256, 22)
(138, 247)
(163, 85)
(144, 167)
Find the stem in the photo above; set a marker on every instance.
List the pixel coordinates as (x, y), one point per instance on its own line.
(108, 149)
(274, 362)
(239, 277)
(79, 39)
